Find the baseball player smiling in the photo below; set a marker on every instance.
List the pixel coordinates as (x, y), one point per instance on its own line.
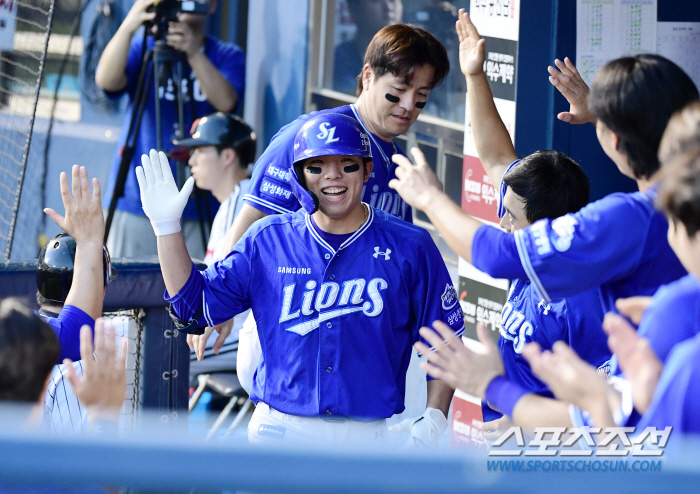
(339, 291)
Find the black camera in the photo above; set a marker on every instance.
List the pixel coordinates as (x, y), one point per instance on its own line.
(167, 11)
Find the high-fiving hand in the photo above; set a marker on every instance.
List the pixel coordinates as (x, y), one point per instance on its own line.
(162, 202)
(572, 86)
(83, 220)
(471, 46)
(457, 365)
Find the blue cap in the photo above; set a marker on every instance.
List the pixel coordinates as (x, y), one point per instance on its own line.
(326, 135)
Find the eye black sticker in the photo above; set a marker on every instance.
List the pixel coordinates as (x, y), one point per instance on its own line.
(420, 104)
(392, 98)
(351, 168)
(316, 170)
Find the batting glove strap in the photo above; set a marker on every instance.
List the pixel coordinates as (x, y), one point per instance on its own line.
(189, 327)
(428, 428)
(165, 227)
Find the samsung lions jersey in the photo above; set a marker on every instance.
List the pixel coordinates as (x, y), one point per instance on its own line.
(271, 193)
(527, 318)
(336, 327)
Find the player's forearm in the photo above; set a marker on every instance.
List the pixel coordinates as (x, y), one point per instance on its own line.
(490, 134)
(246, 217)
(455, 226)
(218, 90)
(87, 289)
(110, 73)
(439, 396)
(175, 261)
(533, 411)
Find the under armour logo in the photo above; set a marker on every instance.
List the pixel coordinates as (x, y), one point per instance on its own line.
(385, 254)
(545, 307)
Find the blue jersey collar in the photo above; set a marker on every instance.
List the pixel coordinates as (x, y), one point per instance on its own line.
(315, 235)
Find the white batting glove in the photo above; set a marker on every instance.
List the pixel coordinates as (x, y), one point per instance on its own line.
(161, 201)
(425, 430)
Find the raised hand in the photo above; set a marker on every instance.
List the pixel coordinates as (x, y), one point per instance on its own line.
(457, 365)
(103, 384)
(138, 14)
(415, 184)
(636, 359)
(83, 213)
(572, 86)
(471, 46)
(162, 202)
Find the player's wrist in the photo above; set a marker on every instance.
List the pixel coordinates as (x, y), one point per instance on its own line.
(166, 227)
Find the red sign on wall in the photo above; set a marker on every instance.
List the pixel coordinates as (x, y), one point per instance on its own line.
(479, 196)
(467, 424)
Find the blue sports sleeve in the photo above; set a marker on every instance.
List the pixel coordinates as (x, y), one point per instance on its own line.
(676, 401)
(70, 320)
(663, 324)
(230, 61)
(494, 252)
(269, 189)
(187, 302)
(602, 242)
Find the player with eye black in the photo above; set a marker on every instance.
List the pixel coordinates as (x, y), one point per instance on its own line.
(338, 289)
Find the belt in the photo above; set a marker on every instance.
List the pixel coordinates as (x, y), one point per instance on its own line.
(325, 418)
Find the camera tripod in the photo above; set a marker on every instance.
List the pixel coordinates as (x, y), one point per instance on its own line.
(165, 62)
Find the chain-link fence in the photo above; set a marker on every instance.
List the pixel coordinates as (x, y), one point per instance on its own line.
(24, 35)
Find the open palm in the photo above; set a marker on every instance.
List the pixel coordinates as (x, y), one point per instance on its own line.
(471, 46)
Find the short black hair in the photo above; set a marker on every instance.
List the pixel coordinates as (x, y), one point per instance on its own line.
(244, 150)
(550, 183)
(635, 98)
(28, 351)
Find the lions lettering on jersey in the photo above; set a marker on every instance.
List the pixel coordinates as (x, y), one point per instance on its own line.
(350, 301)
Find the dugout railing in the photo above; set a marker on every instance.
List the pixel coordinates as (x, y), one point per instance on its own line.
(158, 366)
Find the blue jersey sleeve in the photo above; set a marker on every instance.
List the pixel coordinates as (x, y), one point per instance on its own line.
(433, 297)
(603, 242)
(673, 315)
(269, 189)
(67, 328)
(676, 401)
(221, 291)
(494, 252)
(229, 59)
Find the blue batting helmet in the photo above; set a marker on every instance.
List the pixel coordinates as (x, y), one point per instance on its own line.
(325, 135)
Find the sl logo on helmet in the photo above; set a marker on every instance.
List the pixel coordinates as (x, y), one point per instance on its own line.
(327, 134)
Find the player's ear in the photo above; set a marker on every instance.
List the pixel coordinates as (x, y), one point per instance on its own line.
(212, 6)
(229, 156)
(367, 76)
(369, 166)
